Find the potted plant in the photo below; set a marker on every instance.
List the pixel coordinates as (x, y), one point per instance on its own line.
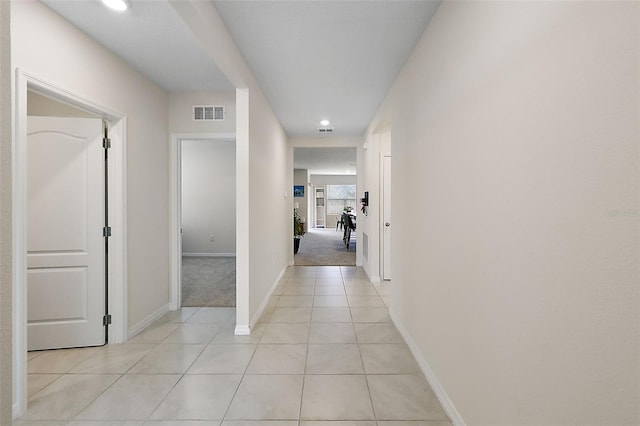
(298, 230)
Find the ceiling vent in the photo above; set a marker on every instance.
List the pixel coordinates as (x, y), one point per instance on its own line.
(208, 113)
(325, 130)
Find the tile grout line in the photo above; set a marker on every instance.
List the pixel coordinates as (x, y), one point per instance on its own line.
(244, 374)
(181, 375)
(366, 378)
(306, 358)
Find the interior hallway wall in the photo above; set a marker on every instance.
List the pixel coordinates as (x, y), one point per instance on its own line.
(269, 201)
(515, 134)
(378, 145)
(181, 107)
(208, 197)
(6, 246)
(88, 70)
(263, 188)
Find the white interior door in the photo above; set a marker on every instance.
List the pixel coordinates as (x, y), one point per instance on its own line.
(386, 218)
(65, 243)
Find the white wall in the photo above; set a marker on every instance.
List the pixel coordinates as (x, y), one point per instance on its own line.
(208, 197)
(181, 106)
(39, 105)
(515, 136)
(88, 70)
(301, 177)
(264, 201)
(370, 224)
(6, 250)
(270, 220)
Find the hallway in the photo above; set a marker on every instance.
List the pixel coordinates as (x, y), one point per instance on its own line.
(326, 350)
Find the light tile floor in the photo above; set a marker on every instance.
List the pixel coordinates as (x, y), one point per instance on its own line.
(325, 349)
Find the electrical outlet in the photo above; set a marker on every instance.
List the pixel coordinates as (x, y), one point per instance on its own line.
(211, 238)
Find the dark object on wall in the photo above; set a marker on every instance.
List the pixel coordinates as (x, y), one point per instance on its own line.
(365, 202)
(298, 191)
(298, 230)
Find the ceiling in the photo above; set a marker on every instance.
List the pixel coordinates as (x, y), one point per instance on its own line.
(332, 60)
(325, 161)
(152, 38)
(314, 59)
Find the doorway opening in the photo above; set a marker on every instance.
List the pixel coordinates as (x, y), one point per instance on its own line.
(115, 295)
(208, 212)
(203, 221)
(326, 200)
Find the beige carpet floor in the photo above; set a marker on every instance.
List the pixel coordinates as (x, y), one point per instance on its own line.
(209, 281)
(324, 247)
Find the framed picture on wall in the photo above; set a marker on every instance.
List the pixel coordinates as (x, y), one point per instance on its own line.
(298, 190)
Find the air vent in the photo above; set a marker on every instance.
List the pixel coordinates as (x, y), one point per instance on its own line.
(208, 113)
(325, 130)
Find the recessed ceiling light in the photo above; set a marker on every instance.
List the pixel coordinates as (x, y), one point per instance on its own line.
(325, 122)
(118, 5)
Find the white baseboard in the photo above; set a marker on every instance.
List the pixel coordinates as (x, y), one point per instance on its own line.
(242, 330)
(208, 255)
(17, 411)
(373, 279)
(431, 377)
(148, 321)
(265, 301)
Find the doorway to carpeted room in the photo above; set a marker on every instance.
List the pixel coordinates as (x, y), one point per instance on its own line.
(208, 281)
(324, 247)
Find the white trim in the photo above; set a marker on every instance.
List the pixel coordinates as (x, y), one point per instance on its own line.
(381, 206)
(19, 210)
(429, 374)
(117, 213)
(242, 330)
(208, 255)
(243, 241)
(175, 225)
(265, 301)
(118, 294)
(162, 311)
(175, 216)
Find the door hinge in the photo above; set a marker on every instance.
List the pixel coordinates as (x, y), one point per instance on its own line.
(106, 231)
(106, 143)
(106, 320)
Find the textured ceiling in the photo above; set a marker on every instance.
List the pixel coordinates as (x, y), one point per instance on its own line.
(326, 59)
(152, 38)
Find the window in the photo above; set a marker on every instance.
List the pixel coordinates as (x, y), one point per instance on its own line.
(339, 197)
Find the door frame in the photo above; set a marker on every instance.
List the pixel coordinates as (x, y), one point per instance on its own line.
(383, 241)
(175, 214)
(117, 268)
